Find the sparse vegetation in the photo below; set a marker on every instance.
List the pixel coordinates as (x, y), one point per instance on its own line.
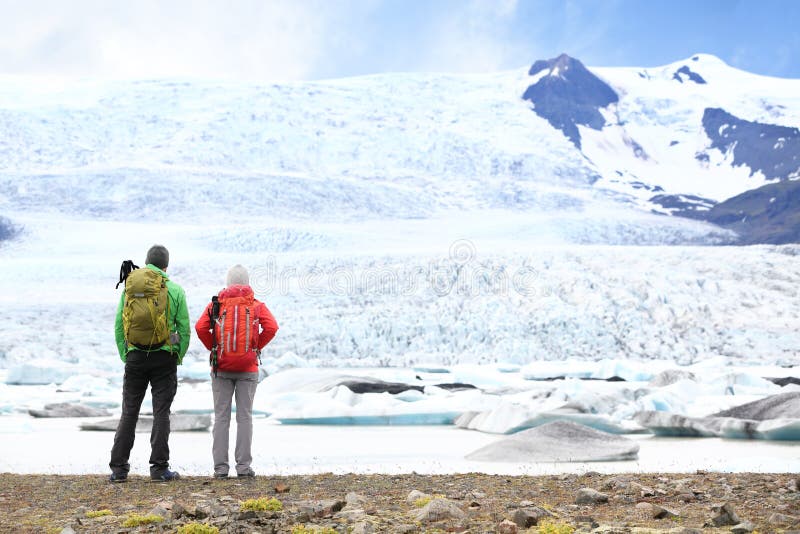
(197, 528)
(552, 527)
(302, 529)
(423, 501)
(137, 520)
(49, 503)
(98, 513)
(262, 504)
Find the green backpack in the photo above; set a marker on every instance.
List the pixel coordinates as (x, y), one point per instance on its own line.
(144, 316)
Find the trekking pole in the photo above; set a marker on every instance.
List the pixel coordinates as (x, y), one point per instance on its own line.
(214, 346)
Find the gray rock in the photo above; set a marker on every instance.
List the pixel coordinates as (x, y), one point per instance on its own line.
(351, 515)
(67, 530)
(416, 495)
(670, 376)
(507, 527)
(590, 496)
(778, 518)
(355, 500)
(724, 516)
(439, 510)
(364, 527)
(177, 423)
(530, 516)
(659, 512)
(67, 409)
(560, 441)
(744, 527)
(320, 509)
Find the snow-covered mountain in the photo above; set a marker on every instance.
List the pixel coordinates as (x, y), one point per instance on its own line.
(558, 140)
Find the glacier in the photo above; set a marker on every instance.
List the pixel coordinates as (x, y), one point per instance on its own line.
(420, 229)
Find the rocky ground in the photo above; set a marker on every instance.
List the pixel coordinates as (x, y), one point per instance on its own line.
(328, 504)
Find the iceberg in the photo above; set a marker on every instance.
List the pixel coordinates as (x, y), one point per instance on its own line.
(66, 409)
(559, 441)
(41, 372)
(771, 418)
(177, 423)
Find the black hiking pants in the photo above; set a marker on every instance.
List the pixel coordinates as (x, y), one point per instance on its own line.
(159, 369)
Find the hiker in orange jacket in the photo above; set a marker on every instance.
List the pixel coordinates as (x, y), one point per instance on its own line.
(238, 331)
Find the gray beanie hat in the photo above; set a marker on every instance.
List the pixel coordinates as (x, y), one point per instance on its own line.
(158, 255)
(237, 275)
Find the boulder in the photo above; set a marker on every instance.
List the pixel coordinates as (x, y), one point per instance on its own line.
(744, 527)
(439, 510)
(415, 495)
(320, 509)
(724, 515)
(590, 496)
(530, 516)
(560, 441)
(67, 409)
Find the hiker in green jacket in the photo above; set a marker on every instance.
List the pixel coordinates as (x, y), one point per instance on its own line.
(152, 334)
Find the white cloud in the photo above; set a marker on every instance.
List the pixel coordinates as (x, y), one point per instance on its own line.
(475, 39)
(243, 39)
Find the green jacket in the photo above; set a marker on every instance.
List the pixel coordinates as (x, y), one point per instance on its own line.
(178, 320)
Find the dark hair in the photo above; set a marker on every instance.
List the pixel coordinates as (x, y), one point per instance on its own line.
(158, 255)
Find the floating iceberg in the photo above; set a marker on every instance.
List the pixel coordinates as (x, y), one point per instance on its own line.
(772, 418)
(177, 423)
(41, 372)
(559, 441)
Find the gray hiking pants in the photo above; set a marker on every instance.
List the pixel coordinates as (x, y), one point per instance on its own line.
(225, 386)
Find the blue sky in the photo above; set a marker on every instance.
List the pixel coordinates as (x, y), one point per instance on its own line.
(312, 39)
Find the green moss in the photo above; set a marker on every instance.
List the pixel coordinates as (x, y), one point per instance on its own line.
(302, 529)
(551, 527)
(262, 505)
(98, 513)
(136, 520)
(423, 501)
(197, 528)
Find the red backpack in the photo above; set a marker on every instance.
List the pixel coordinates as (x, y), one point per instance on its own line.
(236, 333)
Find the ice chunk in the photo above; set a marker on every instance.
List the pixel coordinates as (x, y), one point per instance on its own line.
(40, 372)
(772, 429)
(559, 441)
(66, 409)
(670, 376)
(288, 360)
(177, 423)
(88, 385)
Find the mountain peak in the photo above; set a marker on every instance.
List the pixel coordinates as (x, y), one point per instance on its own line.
(568, 95)
(556, 65)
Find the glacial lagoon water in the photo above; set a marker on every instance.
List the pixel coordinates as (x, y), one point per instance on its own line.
(30, 445)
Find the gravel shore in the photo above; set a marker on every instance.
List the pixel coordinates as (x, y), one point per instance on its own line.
(707, 502)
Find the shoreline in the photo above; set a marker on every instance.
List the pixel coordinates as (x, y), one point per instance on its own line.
(674, 502)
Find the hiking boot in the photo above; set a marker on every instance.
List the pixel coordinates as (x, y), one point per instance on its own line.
(220, 475)
(247, 474)
(117, 478)
(166, 476)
